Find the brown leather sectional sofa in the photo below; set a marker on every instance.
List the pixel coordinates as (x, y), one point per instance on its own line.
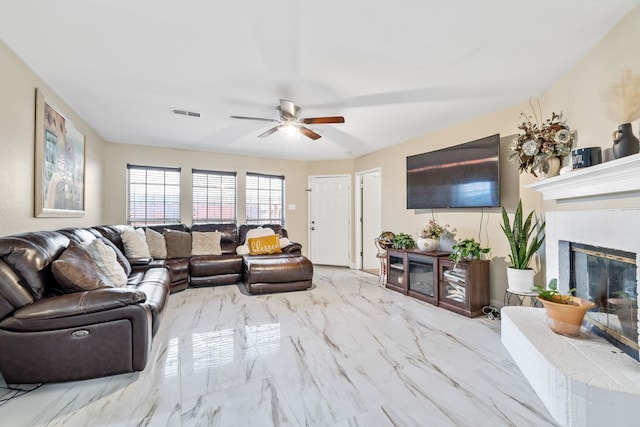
(47, 335)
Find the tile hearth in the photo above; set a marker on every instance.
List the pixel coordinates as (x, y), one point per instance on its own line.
(345, 353)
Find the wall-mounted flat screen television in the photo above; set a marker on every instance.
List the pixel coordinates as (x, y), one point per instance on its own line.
(462, 176)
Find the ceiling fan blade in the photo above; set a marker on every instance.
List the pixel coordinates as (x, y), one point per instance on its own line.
(269, 132)
(322, 120)
(288, 109)
(254, 118)
(308, 133)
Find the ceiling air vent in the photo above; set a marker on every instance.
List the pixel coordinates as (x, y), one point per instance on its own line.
(186, 113)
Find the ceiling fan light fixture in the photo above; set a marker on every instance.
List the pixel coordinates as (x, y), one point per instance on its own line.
(290, 129)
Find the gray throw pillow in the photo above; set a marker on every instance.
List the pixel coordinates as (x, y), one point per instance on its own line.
(178, 243)
(76, 271)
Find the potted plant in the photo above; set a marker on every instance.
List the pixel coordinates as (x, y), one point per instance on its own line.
(525, 238)
(467, 250)
(403, 241)
(566, 312)
(429, 237)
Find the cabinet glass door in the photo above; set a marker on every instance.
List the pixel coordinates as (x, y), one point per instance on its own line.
(452, 287)
(395, 273)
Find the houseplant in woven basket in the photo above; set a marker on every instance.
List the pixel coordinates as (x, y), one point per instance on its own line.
(565, 312)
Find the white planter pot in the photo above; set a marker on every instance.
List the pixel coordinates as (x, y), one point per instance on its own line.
(446, 243)
(427, 245)
(520, 281)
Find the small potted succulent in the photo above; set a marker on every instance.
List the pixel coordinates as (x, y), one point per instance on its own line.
(467, 250)
(565, 312)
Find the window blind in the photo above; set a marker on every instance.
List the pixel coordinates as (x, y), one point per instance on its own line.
(153, 195)
(214, 196)
(264, 199)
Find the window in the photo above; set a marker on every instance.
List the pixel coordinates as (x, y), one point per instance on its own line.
(214, 196)
(153, 195)
(265, 199)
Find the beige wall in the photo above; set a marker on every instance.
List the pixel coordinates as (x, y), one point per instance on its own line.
(17, 121)
(578, 93)
(118, 155)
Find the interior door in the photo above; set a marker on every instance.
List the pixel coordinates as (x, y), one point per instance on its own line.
(370, 219)
(329, 220)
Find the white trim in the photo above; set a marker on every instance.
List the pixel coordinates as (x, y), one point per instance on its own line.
(357, 179)
(615, 176)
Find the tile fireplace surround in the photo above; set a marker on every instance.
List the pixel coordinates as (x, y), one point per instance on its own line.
(584, 380)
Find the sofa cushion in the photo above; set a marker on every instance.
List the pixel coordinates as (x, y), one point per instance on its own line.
(178, 243)
(122, 260)
(135, 244)
(157, 244)
(105, 258)
(206, 243)
(228, 238)
(76, 271)
(264, 245)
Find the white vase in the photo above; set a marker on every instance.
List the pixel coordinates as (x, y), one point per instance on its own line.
(520, 281)
(446, 243)
(427, 245)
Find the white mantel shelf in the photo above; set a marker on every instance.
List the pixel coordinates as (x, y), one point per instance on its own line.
(616, 176)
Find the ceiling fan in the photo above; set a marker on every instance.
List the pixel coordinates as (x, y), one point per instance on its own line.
(290, 122)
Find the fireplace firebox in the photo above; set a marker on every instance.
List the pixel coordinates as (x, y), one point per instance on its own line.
(608, 278)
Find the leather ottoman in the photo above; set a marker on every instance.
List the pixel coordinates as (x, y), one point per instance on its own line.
(277, 273)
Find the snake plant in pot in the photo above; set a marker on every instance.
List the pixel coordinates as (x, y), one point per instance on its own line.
(525, 238)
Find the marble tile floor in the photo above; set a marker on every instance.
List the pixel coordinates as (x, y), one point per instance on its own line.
(345, 353)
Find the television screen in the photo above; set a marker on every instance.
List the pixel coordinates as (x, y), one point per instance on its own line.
(462, 176)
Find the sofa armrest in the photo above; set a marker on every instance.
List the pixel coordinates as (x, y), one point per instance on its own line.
(139, 261)
(78, 303)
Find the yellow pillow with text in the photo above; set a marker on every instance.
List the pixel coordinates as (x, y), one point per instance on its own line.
(265, 245)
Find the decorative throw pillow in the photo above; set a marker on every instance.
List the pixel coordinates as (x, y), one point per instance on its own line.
(258, 232)
(206, 243)
(105, 259)
(135, 244)
(157, 244)
(122, 260)
(264, 245)
(76, 271)
(178, 243)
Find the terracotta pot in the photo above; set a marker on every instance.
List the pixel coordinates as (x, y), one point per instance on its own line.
(566, 319)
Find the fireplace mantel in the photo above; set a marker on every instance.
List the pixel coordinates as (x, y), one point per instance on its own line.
(615, 176)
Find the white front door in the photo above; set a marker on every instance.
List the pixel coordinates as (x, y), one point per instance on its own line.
(329, 220)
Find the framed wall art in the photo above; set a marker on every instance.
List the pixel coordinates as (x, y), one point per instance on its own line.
(59, 163)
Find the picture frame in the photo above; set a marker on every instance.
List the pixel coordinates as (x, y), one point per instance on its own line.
(60, 159)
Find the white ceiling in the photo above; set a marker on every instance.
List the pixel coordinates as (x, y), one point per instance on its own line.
(395, 69)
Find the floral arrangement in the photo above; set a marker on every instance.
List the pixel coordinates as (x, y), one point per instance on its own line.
(537, 143)
(435, 230)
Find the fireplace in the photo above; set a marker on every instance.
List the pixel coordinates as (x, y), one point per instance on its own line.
(600, 248)
(608, 278)
(585, 380)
